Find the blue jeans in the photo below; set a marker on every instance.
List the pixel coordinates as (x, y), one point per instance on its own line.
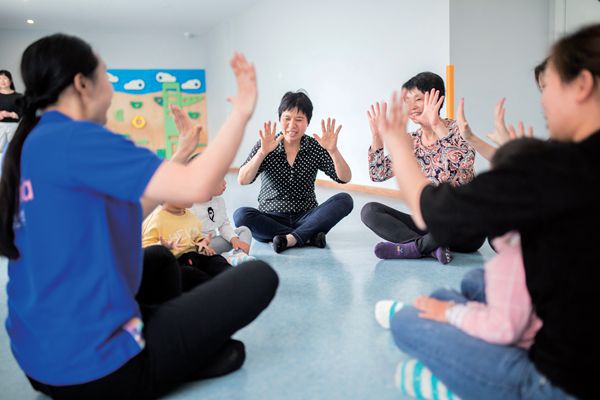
(303, 225)
(470, 367)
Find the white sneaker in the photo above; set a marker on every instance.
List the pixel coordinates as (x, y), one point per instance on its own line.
(385, 310)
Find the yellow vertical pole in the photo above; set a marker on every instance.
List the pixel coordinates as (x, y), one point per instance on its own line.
(450, 91)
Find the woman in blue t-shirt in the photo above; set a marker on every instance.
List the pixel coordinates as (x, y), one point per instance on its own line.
(82, 323)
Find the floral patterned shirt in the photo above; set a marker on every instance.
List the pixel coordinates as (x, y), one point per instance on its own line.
(450, 159)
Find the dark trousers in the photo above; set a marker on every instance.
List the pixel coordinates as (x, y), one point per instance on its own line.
(398, 227)
(303, 225)
(184, 332)
(195, 270)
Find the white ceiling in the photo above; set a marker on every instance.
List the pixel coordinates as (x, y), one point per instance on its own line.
(194, 16)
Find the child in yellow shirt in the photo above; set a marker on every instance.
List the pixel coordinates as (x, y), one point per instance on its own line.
(176, 228)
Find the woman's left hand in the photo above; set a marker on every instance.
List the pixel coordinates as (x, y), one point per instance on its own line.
(433, 309)
(328, 140)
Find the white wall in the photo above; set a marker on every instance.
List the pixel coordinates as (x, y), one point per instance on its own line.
(494, 46)
(569, 15)
(119, 49)
(345, 54)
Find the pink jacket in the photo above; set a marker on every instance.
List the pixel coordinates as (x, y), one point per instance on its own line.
(508, 317)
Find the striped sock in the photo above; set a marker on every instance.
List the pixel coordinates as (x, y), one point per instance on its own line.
(416, 380)
(385, 310)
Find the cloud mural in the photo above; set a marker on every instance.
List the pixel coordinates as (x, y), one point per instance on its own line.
(191, 84)
(112, 78)
(163, 77)
(136, 84)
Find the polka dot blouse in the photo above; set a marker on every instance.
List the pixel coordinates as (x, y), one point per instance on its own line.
(291, 189)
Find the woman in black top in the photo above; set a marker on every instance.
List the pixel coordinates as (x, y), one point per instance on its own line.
(10, 108)
(288, 162)
(548, 197)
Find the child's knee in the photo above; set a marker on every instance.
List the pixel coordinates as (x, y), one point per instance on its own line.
(404, 326)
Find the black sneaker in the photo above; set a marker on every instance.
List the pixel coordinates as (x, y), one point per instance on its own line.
(279, 243)
(318, 240)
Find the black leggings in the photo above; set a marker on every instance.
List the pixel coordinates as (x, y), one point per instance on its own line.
(398, 227)
(195, 270)
(184, 332)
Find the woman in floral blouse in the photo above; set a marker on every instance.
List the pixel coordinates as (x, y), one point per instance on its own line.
(444, 156)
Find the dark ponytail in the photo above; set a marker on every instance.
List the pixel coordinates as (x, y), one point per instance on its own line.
(48, 67)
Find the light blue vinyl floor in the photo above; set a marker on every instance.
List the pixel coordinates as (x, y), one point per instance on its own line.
(318, 339)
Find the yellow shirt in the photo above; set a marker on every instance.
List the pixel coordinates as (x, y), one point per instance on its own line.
(184, 230)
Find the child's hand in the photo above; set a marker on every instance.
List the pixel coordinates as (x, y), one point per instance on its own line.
(208, 251)
(237, 244)
(204, 245)
(432, 308)
(172, 244)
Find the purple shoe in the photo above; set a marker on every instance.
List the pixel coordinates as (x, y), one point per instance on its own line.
(442, 254)
(389, 250)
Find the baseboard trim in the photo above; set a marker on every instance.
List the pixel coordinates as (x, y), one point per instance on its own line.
(349, 187)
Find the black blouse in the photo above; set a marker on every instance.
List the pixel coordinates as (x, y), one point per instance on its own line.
(548, 196)
(289, 188)
(9, 102)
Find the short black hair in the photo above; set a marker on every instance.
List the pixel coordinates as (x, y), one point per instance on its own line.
(517, 149)
(299, 100)
(425, 81)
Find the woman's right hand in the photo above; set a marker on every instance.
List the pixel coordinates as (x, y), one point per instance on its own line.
(268, 142)
(461, 122)
(245, 75)
(374, 116)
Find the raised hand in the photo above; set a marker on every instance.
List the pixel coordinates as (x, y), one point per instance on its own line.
(189, 133)
(329, 136)
(374, 114)
(268, 142)
(503, 134)
(461, 122)
(245, 75)
(521, 132)
(432, 102)
(394, 122)
(433, 309)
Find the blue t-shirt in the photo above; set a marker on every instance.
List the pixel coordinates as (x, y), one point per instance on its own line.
(79, 235)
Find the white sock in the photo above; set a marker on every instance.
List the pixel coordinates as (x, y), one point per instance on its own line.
(385, 309)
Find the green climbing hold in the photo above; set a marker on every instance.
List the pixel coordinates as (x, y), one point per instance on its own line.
(119, 115)
(158, 100)
(194, 115)
(136, 104)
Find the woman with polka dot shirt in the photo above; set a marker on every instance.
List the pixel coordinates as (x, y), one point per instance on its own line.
(288, 161)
